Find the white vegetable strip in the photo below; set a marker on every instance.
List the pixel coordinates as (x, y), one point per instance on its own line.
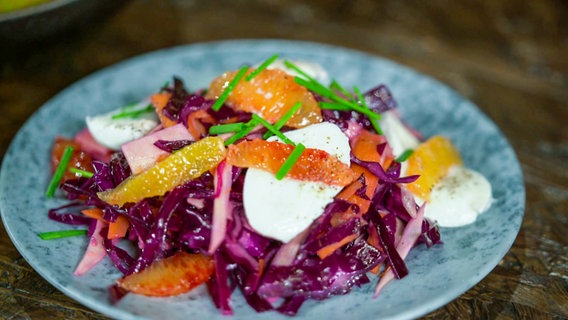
(221, 204)
(95, 251)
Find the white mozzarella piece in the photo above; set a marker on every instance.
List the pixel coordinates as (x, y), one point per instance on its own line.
(398, 136)
(113, 133)
(281, 209)
(459, 198)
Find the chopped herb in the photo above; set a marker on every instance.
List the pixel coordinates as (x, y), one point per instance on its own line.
(261, 68)
(59, 172)
(405, 155)
(51, 235)
(247, 128)
(219, 103)
(364, 103)
(82, 173)
(282, 121)
(133, 113)
(318, 88)
(334, 106)
(226, 128)
(290, 161)
(272, 129)
(336, 86)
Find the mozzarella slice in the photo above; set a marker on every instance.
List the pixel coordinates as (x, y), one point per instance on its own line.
(113, 133)
(280, 209)
(459, 198)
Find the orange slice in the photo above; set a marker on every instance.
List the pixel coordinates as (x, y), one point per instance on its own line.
(180, 167)
(313, 164)
(171, 276)
(431, 160)
(270, 94)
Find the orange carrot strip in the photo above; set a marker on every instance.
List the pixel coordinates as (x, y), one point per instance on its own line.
(195, 123)
(160, 100)
(118, 228)
(329, 249)
(94, 213)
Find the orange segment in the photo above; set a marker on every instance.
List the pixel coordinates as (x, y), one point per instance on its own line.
(431, 160)
(171, 276)
(178, 168)
(313, 164)
(270, 94)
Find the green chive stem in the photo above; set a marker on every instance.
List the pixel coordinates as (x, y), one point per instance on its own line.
(51, 235)
(82, 173)
(282, 121)
(226, 128)
(219, 103)
(133, 113)
(272, 129)
(59, 172)
(405, 155)
(290, 161)
(248, 127)
(334, 106)
(261, 68)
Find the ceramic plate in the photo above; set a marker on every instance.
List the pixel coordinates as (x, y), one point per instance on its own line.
(437, 275)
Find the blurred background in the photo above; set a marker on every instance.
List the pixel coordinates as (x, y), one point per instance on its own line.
(509, 57)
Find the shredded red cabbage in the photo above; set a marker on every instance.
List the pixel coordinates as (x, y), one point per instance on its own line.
(206, 215)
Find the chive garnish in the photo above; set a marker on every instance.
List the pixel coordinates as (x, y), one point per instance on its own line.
(336, 86)
(59, 172)
(247, 128)
(334, 106)
(318, 88)
(133, 113)
(226, 128)
(405, 155)
(260, 68)
(219, 103)
(290, 161)
(282, 121)
(364, 104)
(61, 234)
(82, 173)
(272, 129)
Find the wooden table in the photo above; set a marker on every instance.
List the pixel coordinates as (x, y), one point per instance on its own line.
(509, 57)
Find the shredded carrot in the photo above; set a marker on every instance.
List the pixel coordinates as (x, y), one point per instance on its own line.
(195, 123)
(329, 249)
(94, 213)
(118, 228)
(160, 100)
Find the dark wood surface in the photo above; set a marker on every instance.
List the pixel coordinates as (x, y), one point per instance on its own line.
(509, 57)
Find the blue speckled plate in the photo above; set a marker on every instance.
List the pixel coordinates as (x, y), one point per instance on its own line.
(437, 275)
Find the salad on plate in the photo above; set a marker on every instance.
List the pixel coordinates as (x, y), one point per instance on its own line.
(274, 181)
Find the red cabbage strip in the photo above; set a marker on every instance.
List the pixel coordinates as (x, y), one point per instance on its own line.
(385, 176)
(171, 146)
(155, 244)
(119, 257)
(63, 215)
(430, 233)
(387, 242)
(221, 204)
(379, 99)
(218, 286)
(350, 227)
(177, 100)
(291, 305)
(410, 235)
